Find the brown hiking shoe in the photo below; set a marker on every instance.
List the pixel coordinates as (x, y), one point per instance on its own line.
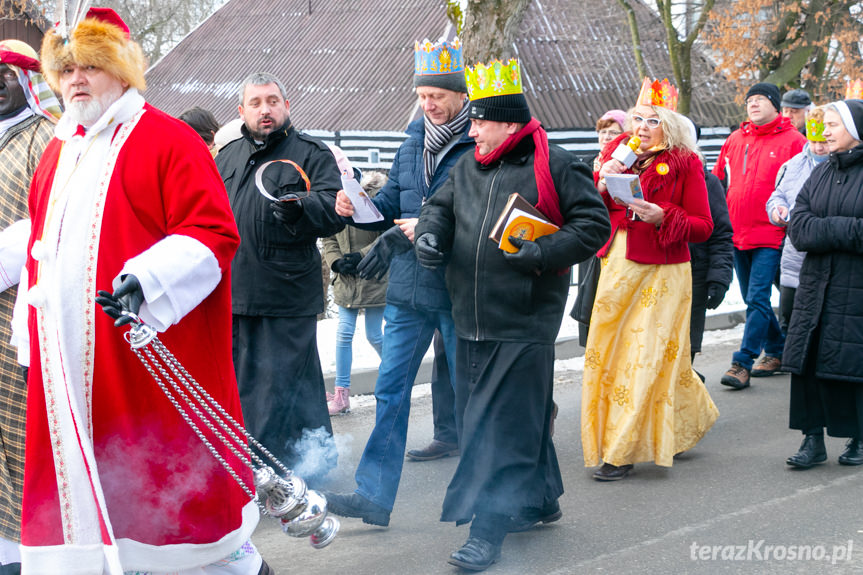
(736, 377)
(765, 366)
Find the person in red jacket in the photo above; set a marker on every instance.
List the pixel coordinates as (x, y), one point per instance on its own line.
(748, 163)
(641, 401)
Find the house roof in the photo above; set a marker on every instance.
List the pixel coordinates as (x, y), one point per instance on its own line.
(349, 65)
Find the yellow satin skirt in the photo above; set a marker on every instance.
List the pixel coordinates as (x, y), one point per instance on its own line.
(640, 399)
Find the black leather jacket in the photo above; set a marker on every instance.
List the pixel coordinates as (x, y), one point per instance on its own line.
(277, 269)
(491, 299)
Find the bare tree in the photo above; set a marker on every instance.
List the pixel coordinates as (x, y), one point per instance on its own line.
(683, 21)
(489, 28)
(814, 44)
(155, 24)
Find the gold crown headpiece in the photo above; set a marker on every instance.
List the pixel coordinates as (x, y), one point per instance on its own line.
(658, 93)
(493, 79)
(854, 89)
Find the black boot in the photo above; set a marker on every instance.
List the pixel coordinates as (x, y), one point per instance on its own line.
(475, 555)
(853, 454)
(811, 452)
(532, 516)
(355, 505)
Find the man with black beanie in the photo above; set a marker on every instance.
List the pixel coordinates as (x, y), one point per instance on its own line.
(747, 165)
(507, 306)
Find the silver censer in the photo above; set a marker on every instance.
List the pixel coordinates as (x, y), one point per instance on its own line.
(301, 511)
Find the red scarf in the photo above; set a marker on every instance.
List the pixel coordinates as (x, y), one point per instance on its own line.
(549, 201)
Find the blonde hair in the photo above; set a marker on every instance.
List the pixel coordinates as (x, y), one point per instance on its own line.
(675, 130)
(816, 113)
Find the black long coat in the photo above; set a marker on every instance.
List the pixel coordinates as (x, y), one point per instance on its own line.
(827, 223)
(276, 271)
(713, 260)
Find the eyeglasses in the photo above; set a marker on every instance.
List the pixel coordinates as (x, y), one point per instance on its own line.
(9, 75)
(614, 133)
(756, 100)
(651, 122)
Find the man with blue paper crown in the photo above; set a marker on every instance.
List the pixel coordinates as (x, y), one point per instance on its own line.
(507, 308)
(417, 299)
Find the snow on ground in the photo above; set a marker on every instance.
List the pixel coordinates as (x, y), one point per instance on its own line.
(364, 356)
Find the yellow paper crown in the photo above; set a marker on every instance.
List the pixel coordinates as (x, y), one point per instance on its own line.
(854, 90)
(493, 79)
(815, 130)
(658, 93)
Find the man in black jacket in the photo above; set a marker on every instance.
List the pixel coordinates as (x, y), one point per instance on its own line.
(276, 274)
(507, 309)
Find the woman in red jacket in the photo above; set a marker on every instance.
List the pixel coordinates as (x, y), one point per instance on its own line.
(641, 400)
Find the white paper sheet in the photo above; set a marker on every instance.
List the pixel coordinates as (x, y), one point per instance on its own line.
(365, 211)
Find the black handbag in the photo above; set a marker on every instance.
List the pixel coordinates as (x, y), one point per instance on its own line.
(588, 278)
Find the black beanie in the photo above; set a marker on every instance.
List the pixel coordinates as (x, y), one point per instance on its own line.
(769, 91)
(453, 81)
(505, 108)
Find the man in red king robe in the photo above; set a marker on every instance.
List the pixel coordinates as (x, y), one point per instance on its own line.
(126, 199)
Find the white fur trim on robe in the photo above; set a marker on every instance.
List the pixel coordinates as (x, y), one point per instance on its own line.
(177, 273)
(13, 253)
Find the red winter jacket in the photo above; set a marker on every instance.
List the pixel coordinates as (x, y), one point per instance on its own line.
(748, 162)
(680, 190)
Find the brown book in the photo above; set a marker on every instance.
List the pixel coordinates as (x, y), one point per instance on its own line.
(522, 220)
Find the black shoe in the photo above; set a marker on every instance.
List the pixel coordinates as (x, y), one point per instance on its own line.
(609, 472)
(475, 555)
(266, 569)
(355, 505)
(853, 454)
(434, 450)
(531, 516)
(811, 452)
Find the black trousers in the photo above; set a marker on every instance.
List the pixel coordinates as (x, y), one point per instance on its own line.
(282, 389)
(818, 403)
(443, 395)
(503, 410)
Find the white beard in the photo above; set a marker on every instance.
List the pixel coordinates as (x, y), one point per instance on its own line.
(86, 113)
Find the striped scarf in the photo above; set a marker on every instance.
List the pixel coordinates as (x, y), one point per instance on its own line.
(438, 136)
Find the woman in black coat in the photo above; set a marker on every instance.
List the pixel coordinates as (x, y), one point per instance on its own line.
(712, 264)
(824, 346)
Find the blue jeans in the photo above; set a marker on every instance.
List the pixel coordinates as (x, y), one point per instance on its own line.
(345, 339)
(407, 337)
(756, 269)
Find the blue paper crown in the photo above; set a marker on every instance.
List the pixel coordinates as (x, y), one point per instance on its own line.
(440, 57)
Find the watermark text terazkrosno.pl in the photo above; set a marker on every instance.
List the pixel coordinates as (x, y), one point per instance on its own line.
(759, 550)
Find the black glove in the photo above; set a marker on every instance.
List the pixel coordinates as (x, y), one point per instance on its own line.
(127, 297)
(428, 254)
(347, 264)
(715, 294)
(288, 210)
(390, 243)
(528, 258)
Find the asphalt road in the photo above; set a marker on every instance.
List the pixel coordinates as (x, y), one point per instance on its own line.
(730, 505)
